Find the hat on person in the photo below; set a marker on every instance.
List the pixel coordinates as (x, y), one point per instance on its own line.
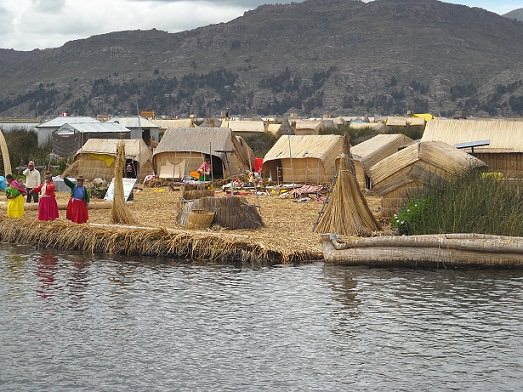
(79, 178)
(31, 163)
(47, 174)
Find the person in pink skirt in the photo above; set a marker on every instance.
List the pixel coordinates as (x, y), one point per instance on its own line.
(47, 206)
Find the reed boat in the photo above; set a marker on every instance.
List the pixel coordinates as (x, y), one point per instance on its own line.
(435, 250)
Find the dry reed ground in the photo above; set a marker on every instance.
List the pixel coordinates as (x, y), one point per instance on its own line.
(288, 224)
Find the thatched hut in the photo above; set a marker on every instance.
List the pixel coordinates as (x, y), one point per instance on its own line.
(397, 123)
(304, 158)
(410, 170)
(96, 158)
(307, 127)
(371, 151)
(183, 150)
(503, 154)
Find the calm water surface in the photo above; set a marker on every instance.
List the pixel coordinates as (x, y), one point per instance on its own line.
(74, 322)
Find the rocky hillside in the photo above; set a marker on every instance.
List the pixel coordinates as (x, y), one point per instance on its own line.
(515, 14)
(315, 57)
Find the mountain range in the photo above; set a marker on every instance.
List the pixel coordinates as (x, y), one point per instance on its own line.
(310, 58)
(515, 14)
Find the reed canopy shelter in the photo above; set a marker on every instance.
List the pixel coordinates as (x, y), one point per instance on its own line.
(498, 143)
(409, 171)
(371, 151)
(69, 138)
(304, 158)
(182, 151)
(96, 159)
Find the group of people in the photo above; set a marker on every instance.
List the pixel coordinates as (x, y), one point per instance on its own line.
(43, 193)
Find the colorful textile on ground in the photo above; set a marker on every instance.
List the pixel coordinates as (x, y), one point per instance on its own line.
(77, 211)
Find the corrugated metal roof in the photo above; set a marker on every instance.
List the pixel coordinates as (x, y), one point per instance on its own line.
(245, 126)
(59, 121)
(135, 149)
(196, 140)
(132, 122)
(504, 135)
(93, 127)
(304, 146)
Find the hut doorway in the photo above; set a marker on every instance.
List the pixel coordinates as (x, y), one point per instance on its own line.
(146, 136)
(217, 167)
(131, 168)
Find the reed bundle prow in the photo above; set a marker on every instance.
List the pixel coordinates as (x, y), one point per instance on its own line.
(5, 154)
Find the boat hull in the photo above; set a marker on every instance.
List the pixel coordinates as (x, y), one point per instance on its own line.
(439, 251)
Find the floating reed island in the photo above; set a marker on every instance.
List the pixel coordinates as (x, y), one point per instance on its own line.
(285, 236)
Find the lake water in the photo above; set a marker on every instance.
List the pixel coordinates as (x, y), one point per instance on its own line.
(84, 323)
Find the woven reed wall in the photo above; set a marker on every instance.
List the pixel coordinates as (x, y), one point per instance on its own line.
(510, 164)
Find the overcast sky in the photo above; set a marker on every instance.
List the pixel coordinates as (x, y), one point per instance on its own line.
(29, 24)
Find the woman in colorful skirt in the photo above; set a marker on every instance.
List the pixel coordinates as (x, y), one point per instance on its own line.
(15, 198)
(47, 206)
(77, 207)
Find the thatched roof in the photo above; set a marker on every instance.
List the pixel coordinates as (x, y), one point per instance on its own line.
(135, 149)
(201, 140)
(373, 150)
(176, 123)
(376, 126)
(504, 135)
(422, 162)
(244, 126)
(315, 125)
(398, 121)
(304, 146)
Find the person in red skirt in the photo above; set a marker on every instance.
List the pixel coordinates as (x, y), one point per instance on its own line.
(77, 207)
(47, 207)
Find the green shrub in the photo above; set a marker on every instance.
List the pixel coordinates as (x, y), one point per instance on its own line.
(473, 203)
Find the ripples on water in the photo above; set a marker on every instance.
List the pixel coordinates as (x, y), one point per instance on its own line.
(85, 323)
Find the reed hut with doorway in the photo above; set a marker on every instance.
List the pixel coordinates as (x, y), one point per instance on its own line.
(69, 138)
(304, 158)
(96, 158)
(502, 154)
(182, 151)
(409, 171)
(373, 150)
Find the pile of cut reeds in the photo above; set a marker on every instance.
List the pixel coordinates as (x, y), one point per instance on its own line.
(347, 212)
(231, 212)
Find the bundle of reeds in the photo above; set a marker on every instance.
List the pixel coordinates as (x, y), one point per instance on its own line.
(196, 193)
(231, 212)
(5, 154)
(120, 212)
(347, 212)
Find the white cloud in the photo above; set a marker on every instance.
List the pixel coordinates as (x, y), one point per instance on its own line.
(28, 24)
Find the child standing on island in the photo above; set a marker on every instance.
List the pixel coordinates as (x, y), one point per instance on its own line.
(77, 207)
(47, 206)
(15, 198)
